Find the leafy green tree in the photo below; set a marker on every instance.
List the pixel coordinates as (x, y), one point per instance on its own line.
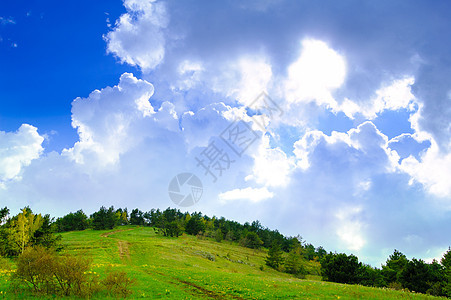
(123, 216)
(370, 276)
(137, 217)
(195, 225)
(396, 262)
(275, 256)
(320, 252)
(173, 229)
(340, 268)
(293, 262)
(21, 229)
(104, 218)
(416, 276)
(72, 222)
(4, 213)
(309, 252)
(446, 263)
(252, 240)
(45, 235)
(437, 279)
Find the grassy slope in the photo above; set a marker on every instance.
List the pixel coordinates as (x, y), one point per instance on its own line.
(181, 268)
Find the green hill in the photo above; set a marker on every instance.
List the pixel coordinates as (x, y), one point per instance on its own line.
(188, 267)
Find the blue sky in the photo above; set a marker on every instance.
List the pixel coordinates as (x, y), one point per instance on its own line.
(104, 102)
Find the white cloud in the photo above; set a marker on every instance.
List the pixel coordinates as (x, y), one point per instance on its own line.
(137, 37)
(113, 120)
(364, 143)
(350, 228)
(254, 77)
(190, 73)
(208, 122)
(433, 170)
(18, 149)
(251, 194)
(317, 72)
(272, 167)
(395, 96)
(240, 78)
(432, 167)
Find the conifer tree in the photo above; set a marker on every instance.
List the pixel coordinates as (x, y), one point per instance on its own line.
(275, 256)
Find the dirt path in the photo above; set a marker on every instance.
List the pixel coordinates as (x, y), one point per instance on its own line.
(123, 249)
(122, 245)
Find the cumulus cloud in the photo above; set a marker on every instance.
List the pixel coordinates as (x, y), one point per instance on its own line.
(137, 37)
(105, 119)
(395, 96)
(432, 170)
(17, 150)
(343, 151)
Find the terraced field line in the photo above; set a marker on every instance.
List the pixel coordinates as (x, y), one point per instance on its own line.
(106, 234)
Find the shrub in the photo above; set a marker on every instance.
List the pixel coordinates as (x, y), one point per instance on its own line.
(118, 283)
(35, 269)
(395, 286)
(71, 275)
(44, 272)
(219, 236)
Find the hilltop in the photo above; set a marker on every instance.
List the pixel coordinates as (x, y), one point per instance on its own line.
(189, 267)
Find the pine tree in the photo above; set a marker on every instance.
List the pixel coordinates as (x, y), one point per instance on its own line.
(293, 263)
(446, 263)
(275, 256)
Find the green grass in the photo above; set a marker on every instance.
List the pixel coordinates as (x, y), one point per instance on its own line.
(188, 267)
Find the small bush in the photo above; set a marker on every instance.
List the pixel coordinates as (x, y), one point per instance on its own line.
(118, 283)
(71, 275)
(5, 264)
(35, 269)
(206, 255)
(46, 273)
(395, 286)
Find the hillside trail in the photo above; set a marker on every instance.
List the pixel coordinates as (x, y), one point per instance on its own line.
(123, 246)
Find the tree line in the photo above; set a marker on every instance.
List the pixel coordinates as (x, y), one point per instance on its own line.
(172, 222)
(397, 273)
